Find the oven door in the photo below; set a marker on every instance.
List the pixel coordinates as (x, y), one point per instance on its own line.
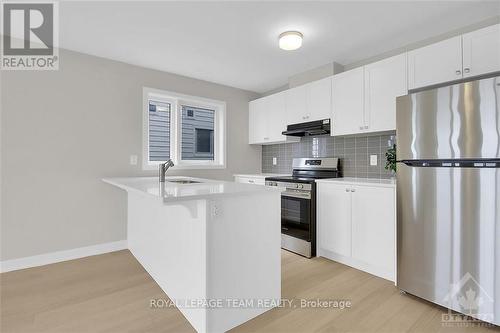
(296, 214)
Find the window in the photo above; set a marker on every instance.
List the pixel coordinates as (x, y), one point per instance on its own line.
(197, 133)
(205, 141)
(159, 130)
(189, 130)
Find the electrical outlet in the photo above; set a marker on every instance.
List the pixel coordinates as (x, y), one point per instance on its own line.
(275, 160)
(133, 159)
(373, 160)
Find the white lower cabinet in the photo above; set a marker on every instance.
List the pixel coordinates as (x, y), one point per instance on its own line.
(356, 226)
(333, 203)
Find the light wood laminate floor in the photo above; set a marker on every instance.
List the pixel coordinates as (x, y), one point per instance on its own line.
(112, 293)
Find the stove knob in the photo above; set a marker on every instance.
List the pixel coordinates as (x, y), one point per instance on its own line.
(301, 186)
(296, 185)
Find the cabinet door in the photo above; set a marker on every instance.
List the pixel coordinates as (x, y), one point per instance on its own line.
(436, 63)
(347, 102)
(384, 81)
(482, 51)
(257, 126)
(334, 218)
(296, 105)
(275, 117)
(319, 99)
(373, 227)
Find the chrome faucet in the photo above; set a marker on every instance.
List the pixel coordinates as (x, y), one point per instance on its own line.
(163, 169)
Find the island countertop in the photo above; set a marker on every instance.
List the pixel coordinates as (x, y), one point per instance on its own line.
(172, 191)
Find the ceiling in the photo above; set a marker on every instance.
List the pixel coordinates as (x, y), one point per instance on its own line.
(235, 43)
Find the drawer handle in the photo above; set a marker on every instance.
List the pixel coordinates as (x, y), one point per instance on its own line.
(466, 70)
(458, 72)
(353, 190)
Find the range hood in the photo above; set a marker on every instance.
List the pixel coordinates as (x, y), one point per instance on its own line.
(310, 128)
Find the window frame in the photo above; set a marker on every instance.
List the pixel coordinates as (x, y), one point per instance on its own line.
(177, 100)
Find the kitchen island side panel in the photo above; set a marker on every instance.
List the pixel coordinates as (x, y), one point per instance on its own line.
(169, 241)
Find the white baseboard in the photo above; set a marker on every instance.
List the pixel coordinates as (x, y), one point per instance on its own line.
(53, 257)
(362, 266)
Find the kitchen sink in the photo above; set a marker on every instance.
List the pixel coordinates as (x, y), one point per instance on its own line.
(183, 181)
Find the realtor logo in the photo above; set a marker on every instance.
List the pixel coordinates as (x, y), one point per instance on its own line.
(476, 306)
(30, 36)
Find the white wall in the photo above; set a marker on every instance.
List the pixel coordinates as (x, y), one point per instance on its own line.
(62, 131)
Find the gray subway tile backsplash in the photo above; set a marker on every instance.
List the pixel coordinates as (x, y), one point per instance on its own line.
(354, 153)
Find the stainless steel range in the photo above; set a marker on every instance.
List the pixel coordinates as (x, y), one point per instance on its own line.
(298, 202)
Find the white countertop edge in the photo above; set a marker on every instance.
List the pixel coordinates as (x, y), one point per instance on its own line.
(261, 175)
(115, 181)
(360, 181)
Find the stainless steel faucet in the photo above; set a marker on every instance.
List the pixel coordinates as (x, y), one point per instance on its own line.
(163, 169)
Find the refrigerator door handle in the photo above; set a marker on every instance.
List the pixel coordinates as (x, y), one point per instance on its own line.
(454, 163)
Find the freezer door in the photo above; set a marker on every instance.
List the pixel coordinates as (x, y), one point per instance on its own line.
(454, 122)
(448, 237)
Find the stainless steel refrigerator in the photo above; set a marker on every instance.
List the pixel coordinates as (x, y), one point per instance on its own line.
(448, 198)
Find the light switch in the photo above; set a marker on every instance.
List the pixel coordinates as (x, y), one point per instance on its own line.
(133, 159)
(275, 160)
(373, 160)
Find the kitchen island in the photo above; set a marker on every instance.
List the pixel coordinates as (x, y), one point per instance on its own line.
(212, 246)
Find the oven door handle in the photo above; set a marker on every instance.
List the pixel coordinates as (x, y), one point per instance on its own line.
(299, 195)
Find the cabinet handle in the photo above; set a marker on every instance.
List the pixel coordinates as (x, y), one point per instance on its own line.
(458, 72)
(466, 70)
(353, 190)
(266, 138)
(366, 126)
(347, 190)
(360, 127)
(250, 181)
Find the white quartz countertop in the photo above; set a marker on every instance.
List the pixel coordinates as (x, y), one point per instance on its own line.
(261, 175)
(170, 191)
(360, 181)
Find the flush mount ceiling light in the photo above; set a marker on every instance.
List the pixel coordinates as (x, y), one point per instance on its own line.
(290, 40)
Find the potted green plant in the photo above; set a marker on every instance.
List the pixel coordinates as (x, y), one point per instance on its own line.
(390, 156)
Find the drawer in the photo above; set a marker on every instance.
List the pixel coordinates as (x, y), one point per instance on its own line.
(250, 180)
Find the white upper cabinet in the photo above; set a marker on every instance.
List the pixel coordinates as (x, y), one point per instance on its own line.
(309, 102)
(384, 81)
(296, 105)
(319, 99)
(257, 128)
(267, 120)
(481, 51)
(364, 99)
(275, 119)
(348, 103)
(436, 63)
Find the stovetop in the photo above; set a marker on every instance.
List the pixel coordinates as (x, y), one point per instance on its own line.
(295, 179)
(307, 170)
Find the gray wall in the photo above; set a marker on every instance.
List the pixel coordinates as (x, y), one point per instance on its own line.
(354, 153)
(62, 131)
